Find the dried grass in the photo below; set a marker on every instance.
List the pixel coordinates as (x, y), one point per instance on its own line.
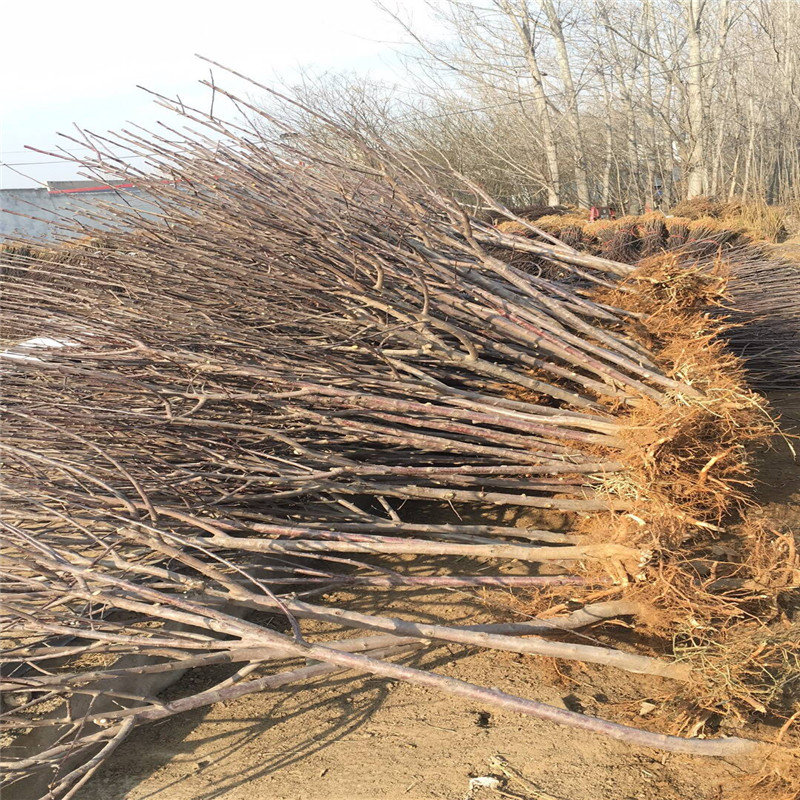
(755, 219)
(762, 222)
(553, 223)
(698, 207)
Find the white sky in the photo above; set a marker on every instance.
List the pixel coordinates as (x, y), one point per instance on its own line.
(78, 61)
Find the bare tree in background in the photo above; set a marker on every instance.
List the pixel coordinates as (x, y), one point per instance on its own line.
(555, 23)
(632, 103)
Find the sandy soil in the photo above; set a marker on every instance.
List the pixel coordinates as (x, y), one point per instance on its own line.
(369, 738)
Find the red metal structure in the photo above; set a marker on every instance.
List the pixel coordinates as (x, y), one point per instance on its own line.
(601, 212)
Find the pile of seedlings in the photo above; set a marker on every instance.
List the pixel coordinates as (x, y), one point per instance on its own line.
(758, 293)
(309, 368)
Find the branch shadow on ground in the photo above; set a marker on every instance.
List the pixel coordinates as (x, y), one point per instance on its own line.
(331, 710)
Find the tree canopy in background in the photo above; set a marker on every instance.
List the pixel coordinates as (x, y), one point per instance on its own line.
(600, 102)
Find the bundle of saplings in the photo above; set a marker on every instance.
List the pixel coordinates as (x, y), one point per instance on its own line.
(306, 369)
(758, 294)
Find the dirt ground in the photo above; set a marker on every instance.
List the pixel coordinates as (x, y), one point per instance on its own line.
(371, 739)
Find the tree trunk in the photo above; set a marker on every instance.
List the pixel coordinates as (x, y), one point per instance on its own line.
(521, 23)
(570, 103)
(696, 173)
(609, 156)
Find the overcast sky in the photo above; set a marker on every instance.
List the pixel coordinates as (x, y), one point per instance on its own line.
(79, 61)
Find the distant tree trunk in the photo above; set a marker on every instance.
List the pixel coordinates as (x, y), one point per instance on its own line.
(649, 109)
(751, 153)
(696, 173)
(609, 157)
(570, 102)
(633, 202)
(521, 21)
(717, 177)
(734, 176)
(700, 97)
